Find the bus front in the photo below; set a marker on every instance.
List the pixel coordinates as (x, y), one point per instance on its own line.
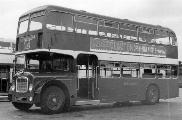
(42, 77)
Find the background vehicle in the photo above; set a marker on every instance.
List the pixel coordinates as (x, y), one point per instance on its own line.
(6, 66)
(66, 57)
(180, 75)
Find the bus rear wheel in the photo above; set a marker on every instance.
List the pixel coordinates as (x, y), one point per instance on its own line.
(53, 100)
(22, 106)
(152, 95)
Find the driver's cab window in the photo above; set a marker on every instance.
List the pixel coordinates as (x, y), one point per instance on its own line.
(62, 63)
(33, 64)
(46, 65)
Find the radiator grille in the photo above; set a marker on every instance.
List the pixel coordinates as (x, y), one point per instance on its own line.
(22, 84)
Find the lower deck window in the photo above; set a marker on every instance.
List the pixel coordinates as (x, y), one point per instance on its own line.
(130, 70)
(136, 70)
(110, 69)
(174, 71)
(148, 70)
(163, 71)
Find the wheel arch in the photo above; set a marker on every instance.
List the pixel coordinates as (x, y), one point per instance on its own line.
(153, 84)
(60, 85)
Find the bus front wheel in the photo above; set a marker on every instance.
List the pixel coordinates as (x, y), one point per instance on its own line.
(22, 106)
(53, 100)
(152, 95)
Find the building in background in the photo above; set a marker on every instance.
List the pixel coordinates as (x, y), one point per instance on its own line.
(6, 63)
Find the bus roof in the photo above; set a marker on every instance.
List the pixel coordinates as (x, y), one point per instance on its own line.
(101, 17)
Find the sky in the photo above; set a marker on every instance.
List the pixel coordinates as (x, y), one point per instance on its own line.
(167, 13)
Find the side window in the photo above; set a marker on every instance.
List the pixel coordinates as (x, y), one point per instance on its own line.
(110, 69)
(23, 26)
(62, 63)
(46, 65)
(85, 25)
(173, 40)
(82, 73)
(162, 37)
(174, 71)
(33, 64)
(109, 29)
(143, 34)
(154, 36)
(85, 71)
(130, 70)
(35, 24)
(128, 32)
(163, 71)
(60, 21)
(36, 20)
(148, 70)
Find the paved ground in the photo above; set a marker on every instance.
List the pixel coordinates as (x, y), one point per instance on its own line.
(166, 110)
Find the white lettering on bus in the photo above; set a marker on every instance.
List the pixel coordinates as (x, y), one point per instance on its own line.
(113, 46)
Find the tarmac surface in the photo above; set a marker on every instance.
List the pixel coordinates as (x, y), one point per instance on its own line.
(170, 109)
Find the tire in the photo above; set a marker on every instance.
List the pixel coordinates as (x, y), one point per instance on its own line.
(53, 100)
(22, 106)
(152, 95)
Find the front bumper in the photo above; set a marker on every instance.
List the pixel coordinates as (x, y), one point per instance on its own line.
(21, 97)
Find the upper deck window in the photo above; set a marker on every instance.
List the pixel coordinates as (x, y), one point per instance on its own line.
(60, 21)
(128, 31)
(85, 25)
(23, 24)
(161, 37)
(157, 36)
(109, 29)
(36, 20)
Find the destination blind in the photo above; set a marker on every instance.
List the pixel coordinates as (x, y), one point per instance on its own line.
(123, 47)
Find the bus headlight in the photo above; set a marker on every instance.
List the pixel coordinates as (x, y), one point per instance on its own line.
(30, 87)
(12, 87)
(30, 99)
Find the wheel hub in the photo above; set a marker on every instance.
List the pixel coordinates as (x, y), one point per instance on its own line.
(54, 100)
(153, 95)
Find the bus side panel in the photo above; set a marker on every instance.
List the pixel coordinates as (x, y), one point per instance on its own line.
(111, 89)
(67, 41)
(70, 83)
(134, 88)
(131, 89)
(168, 88)
(122, 89)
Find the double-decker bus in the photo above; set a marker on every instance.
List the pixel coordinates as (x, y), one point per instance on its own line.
(67, 57)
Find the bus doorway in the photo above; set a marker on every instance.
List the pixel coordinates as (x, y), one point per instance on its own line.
(87, 76)
(4, 79)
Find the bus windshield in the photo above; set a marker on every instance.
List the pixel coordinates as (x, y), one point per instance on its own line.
(23, 25)
(36, 22)
(20, 62)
